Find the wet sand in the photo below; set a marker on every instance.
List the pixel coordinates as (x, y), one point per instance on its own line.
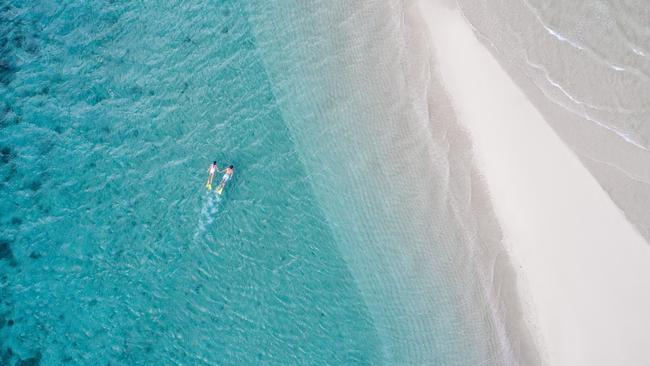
(581, 267)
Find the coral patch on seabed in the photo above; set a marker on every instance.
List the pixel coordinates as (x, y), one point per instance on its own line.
(6, 253)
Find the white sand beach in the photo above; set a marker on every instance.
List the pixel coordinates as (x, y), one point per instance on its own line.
(583, 270)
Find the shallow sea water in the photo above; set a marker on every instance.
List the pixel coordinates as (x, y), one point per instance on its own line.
(586, 67)
(112, 250)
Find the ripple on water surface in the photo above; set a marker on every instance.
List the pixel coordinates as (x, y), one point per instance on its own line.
(110, 247)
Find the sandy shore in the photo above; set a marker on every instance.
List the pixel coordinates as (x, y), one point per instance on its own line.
(579, 92)
(583, 270)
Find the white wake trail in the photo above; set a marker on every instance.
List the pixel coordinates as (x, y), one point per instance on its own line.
(208, 213)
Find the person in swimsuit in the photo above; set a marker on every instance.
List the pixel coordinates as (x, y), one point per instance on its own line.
(211, 171)
(227, 174)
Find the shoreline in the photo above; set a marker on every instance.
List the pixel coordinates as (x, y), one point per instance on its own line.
(560, 228)
(426, 263)
(620, 166)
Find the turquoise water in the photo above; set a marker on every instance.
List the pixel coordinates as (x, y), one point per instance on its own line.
(111, 249)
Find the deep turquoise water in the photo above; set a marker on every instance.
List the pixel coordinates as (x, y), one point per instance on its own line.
(112, 251)
(111, 114)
